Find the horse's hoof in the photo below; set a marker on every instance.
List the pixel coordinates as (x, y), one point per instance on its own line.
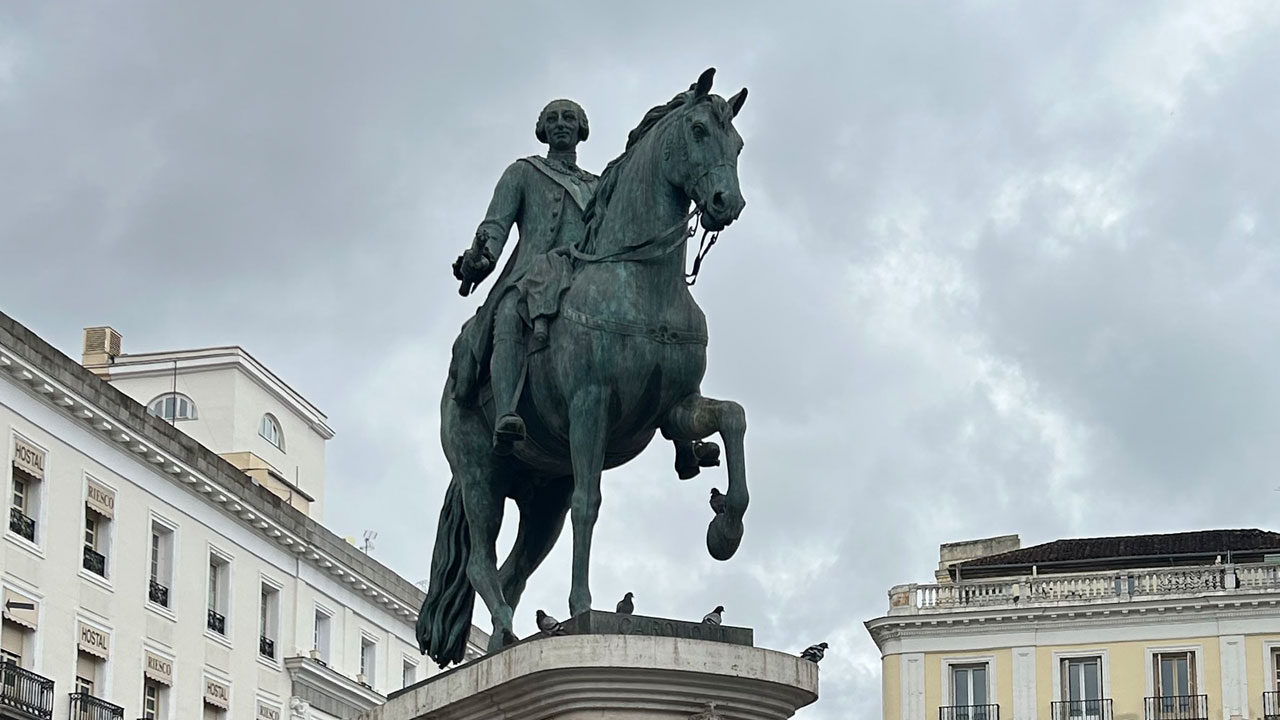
(509, 638)
(723, 537)
(496, 641)
(579, 606)
(708, 453)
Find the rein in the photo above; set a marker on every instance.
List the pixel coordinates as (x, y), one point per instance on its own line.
(630, 253)
(634, 253)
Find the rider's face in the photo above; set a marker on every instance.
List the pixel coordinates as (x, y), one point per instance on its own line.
(560, 124)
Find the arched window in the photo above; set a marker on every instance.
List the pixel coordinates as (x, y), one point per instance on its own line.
(172, 407)
(270, 431)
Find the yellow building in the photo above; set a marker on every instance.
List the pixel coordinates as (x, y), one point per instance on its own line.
(1184, 626)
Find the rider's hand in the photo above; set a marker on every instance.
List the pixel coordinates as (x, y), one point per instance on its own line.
(476, 264)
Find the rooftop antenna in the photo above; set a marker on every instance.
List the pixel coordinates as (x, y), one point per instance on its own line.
(367, 544)
(173, 395)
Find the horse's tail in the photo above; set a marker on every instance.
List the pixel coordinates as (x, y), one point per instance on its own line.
(445, 619)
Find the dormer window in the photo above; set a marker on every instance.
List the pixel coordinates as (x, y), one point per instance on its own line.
(172, 407)
(270, 431)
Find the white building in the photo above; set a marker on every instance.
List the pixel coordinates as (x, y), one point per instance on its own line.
(176, 569)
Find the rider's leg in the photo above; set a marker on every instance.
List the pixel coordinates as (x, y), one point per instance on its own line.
(505, 368)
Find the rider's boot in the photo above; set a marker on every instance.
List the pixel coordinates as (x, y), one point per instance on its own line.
(504, 371)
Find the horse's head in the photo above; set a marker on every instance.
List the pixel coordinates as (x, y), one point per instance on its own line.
(700, 153)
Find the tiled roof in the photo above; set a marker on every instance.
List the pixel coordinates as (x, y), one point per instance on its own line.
(1136, 548)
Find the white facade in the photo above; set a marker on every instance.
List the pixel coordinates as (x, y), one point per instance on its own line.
(228, 395)
(164, 576)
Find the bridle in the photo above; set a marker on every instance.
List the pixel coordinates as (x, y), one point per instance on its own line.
(657, 245)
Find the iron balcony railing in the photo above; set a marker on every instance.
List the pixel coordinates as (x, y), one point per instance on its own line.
(969, 712)
(95, 562)
(1082, 709)
(1177, 707)
(25, 691)
(1271, 705)
(217, 622)
(87, 707)
(267, 647)
(159, 594)
(21, 524)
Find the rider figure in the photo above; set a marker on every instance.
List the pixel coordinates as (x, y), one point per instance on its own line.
(545, 198)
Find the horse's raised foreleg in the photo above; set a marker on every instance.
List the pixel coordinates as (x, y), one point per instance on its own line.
(587, 433)
(542, 512)
(696, 417)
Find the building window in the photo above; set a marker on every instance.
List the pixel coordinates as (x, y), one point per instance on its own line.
(1174, 682)
(1275, 669)
(269, 429)
(13, 643)
(321, 639)
(1081, 680)
(969, 692)
(268, 621)
(153, 700)
(219, 582)
(26, 475)
(95, 560)
(160, 565)
(368, 661)
(172, 407)
(409, 675)
(99, 510)
(88, 668)
(1175, 674)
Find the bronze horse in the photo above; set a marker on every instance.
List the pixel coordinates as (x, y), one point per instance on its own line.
(626, 357)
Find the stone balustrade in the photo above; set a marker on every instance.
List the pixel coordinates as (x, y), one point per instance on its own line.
(1085, 588)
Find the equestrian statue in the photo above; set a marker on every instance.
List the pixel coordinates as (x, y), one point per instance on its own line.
(587, 344)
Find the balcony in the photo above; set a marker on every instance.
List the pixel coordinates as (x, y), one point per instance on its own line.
(1081, 709)
(1177, 707)
(969, 712)
(1097, 588)
(87, 707)
(217, 622)
(22, 525)
(1271, 705)
(267, 647)
(95, 562)
(158, 594)
(25, 693)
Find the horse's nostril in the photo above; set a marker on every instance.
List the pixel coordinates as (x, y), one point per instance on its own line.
(717, 201)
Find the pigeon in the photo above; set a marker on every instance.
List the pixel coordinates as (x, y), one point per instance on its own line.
(549, 625)
(718, 501)
(814, 653)
(625, 606)
(715, 617)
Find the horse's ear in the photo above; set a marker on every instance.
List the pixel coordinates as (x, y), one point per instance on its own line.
(737, 101)
(703, 85)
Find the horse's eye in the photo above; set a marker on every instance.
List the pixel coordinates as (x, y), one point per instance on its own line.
(699, 131)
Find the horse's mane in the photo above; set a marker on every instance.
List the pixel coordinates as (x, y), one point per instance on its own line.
(596, 208)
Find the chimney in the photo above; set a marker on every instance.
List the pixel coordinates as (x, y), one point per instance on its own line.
(101, 347)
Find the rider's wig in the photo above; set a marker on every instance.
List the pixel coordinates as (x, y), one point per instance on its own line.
(584, 128)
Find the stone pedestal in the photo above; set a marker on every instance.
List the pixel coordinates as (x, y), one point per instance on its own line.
(613, 677)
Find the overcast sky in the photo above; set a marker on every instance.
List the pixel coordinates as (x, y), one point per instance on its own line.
(1003, 268)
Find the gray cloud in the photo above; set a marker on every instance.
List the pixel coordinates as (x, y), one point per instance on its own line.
(1003, 269)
